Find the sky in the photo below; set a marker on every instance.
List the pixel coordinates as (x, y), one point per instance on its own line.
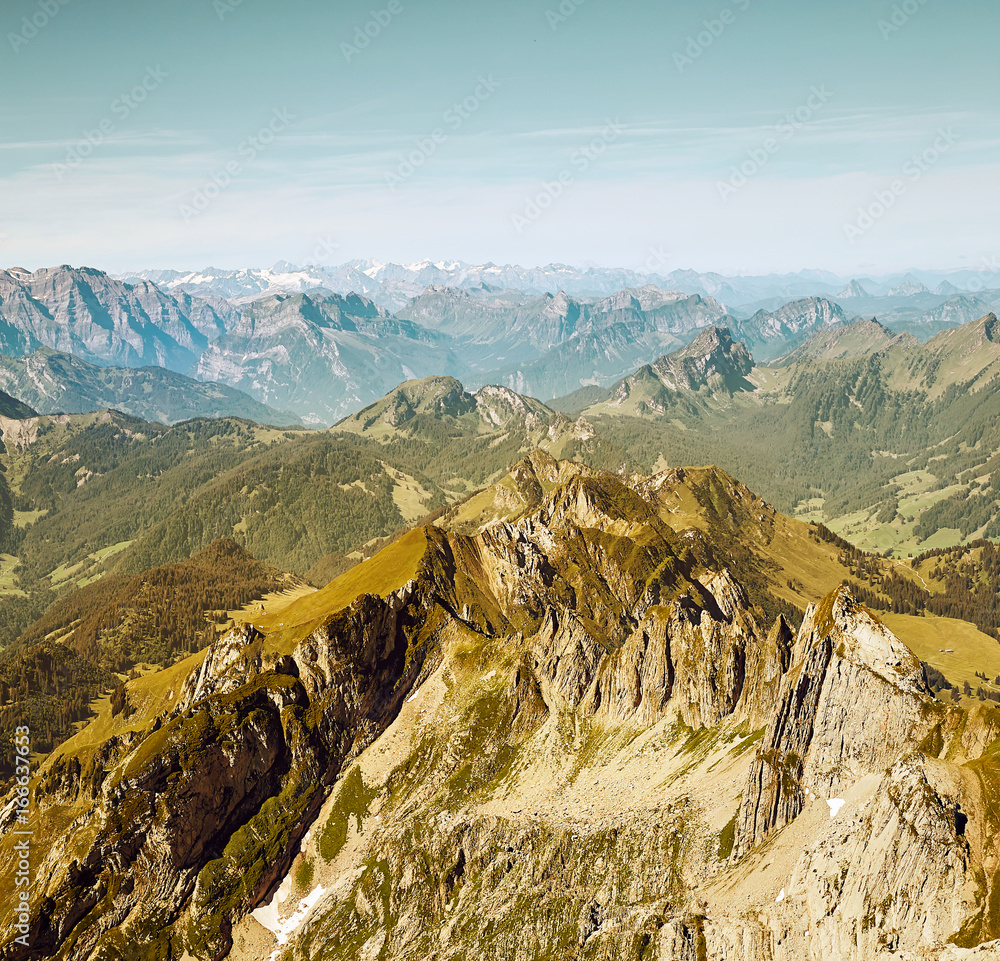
(742, 136)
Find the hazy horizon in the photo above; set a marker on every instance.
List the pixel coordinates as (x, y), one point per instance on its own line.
(986, 273)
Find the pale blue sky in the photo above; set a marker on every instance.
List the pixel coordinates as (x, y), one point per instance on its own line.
(344, 121)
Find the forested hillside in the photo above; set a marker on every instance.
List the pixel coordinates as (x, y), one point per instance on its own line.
(57, 666)
(897, 448)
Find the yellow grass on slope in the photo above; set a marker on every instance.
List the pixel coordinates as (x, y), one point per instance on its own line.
(956, 648)
(382, 574)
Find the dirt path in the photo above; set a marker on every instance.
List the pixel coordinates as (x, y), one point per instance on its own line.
(913, 570)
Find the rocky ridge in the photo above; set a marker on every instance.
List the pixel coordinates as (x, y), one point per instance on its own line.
(101, 320)
(570, 732)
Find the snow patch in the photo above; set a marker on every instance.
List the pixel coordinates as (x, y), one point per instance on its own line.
(267, 915)
(781, 895)
(836, 804)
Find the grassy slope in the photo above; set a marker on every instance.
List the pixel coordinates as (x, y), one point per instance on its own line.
(382, 574)
(929, 637)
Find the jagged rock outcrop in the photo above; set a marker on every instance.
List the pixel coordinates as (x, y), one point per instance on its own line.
(565, 658)
(227, 665)
(571, 732)
(636, 681)
(852, 701)
(765, 667)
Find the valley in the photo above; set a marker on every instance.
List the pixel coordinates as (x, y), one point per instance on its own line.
(501, 483)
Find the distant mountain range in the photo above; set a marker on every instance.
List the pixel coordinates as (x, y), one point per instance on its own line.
(323, 342)
(55, 383)
(88, 313)
(770, 333)
(552, 344)
(322, 355)
(393, 285)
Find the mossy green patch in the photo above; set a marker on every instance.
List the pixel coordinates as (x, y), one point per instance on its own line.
(231, 880)
(352, 800)
(727, 838)
(304, 874)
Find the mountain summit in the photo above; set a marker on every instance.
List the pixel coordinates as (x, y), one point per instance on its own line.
(711, 360)
(854, 290)
(709, 370)
(572, 718)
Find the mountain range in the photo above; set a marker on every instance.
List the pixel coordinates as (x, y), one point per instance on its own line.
(573, 715)
(891, 442)
(839, 392)
(393, 285)
(292, 342)
(322, 355)
(470, 668)
(87, 313)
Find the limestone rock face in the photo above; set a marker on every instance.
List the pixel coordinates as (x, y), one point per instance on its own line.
(576, 731)
(710, 651)
(852, 701)
(635, 682)
(227, 665)
(566, 657)
(765, 667)
(900, 864)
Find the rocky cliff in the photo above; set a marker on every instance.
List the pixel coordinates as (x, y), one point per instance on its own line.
(567, 722)
(104, 321)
